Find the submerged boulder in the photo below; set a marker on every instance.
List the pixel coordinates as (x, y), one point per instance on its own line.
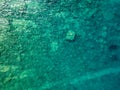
(70, 35)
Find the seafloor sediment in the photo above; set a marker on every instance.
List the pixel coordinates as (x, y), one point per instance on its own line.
(59, 44)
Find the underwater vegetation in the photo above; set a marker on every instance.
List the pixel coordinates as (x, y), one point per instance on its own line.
(59, 45)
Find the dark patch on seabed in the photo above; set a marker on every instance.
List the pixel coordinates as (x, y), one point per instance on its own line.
(59, 45)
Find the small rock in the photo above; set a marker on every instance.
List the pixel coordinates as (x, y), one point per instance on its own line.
(70, 35)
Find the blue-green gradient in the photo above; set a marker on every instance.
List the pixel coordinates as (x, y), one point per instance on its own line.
(59, 44)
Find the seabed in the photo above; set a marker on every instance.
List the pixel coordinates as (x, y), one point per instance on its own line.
(59, 44)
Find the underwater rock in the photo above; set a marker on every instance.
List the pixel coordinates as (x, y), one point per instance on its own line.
(70, 36)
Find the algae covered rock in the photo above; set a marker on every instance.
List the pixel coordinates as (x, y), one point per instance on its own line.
(70, 35)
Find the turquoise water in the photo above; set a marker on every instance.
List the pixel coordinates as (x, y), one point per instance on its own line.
(59, 45)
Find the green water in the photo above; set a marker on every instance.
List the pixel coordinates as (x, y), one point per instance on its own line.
(59, 44)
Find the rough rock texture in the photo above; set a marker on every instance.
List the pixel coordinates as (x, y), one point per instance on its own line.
(70, 36)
